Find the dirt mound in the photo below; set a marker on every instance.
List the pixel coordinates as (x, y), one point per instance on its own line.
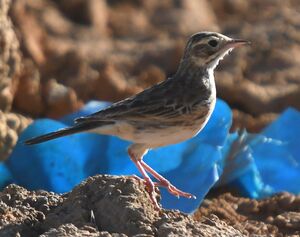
(100, 206)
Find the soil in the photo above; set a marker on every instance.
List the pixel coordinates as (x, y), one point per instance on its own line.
(106, 205)
(100, 206)
(275, 216)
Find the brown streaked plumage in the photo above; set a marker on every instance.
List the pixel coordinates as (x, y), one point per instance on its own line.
(167, 113)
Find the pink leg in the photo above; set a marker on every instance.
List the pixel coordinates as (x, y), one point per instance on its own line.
(148, 182)
(139, 179)
(166, 183)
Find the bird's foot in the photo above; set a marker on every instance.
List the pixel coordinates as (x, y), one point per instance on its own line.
(165, 184)
(139, 179)
(175, 191)
(150, 188)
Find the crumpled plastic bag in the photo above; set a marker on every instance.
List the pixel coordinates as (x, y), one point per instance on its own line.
(259, 165)
(60, 164)
(5, 176)
(266, 163)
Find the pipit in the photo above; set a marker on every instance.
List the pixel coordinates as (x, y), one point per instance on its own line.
(169, 112)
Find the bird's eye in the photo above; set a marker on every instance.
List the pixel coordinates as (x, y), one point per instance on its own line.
(213, 43)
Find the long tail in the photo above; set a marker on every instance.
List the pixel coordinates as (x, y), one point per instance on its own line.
(81, 127)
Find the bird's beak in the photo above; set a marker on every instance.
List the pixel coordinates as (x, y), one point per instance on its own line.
(234, 43)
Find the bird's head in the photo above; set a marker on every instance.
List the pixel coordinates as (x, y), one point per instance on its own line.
(206, 49)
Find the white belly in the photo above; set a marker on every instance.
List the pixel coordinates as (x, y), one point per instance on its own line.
(154, 137)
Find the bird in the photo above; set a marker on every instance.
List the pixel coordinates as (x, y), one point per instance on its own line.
(169, 112)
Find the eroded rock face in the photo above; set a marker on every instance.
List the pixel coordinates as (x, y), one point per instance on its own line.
(11, 125)
(109, 50)
(103, 49)
(28, 97)
(10, 58)
(100, 206)
(263, 78)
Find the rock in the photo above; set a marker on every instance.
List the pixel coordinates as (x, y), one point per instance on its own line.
(263, 78)
(11, 125)
(50, 99)
(60, 100)
(32, 35)
(182, 17)
(84, 12)
(10, 58)
(128, 20)
(277, 216)
(253, 124)
(105, 51)
(100, 206)
(71, 230)
(111, 85)
(29, 89)
(109, 50)
(288, 220)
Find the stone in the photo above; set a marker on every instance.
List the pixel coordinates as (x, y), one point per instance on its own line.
(10, 58)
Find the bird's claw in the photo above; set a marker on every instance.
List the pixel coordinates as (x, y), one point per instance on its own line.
(150, 188)
(175, 191)
(166, 184)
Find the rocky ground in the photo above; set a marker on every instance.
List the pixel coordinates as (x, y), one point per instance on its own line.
(120, 206)
(100, 206)
(275, 216)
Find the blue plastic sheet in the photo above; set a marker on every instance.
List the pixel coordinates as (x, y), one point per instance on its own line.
(5, 176)
(272, 157)
(259, 164)
(60, 164)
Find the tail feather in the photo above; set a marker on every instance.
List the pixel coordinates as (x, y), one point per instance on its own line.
(81, 127)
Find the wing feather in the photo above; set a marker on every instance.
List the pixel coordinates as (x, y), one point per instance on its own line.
(147, 105)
